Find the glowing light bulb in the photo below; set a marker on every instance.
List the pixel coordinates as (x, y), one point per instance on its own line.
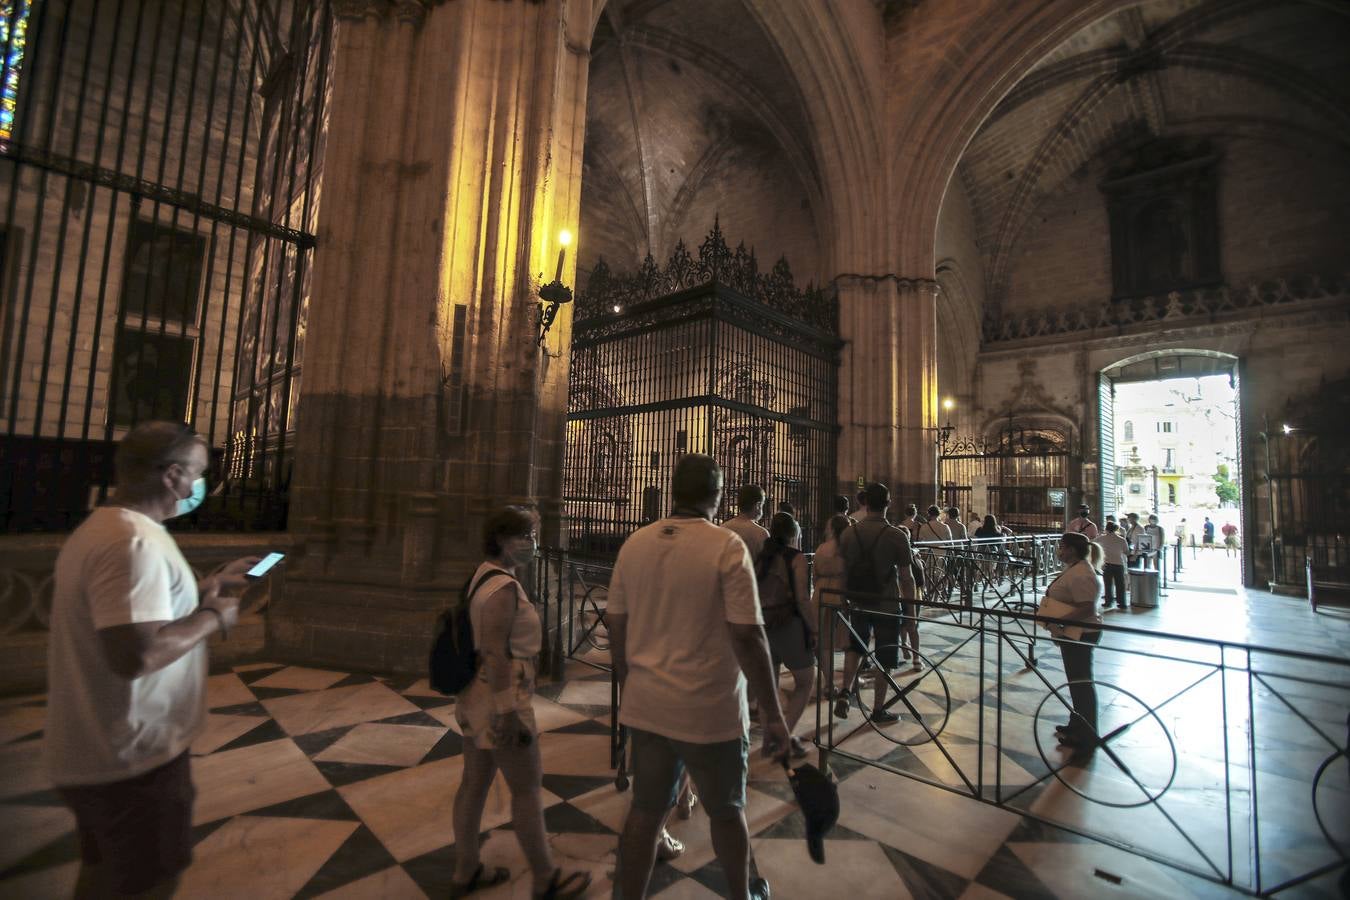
(618, 308)
(948, 404)
(565, 237)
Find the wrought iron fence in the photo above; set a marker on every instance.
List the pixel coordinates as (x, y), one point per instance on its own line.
(1202, 746)
(706, 369)
(1023, 477)
(1308, 476)
(159, 170)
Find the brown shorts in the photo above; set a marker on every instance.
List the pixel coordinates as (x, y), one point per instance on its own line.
(139, 831)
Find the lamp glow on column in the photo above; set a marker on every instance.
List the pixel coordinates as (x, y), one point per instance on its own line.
(555, 293)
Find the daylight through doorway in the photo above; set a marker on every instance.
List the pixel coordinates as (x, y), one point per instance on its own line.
(1174, 453)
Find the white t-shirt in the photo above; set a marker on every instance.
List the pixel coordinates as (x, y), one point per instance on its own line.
(1115, 549)
(680, 581)
(118, 568)
(753, 533)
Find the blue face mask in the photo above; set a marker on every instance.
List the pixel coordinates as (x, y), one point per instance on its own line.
(192, 501)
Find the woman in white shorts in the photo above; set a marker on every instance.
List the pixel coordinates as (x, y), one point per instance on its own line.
(496, 716)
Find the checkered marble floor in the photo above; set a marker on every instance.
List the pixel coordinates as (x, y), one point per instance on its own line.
(325, 783)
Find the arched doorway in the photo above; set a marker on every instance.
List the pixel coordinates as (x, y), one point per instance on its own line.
(1169, 445)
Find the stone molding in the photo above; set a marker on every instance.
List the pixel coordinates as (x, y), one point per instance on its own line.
(1199, 306)
(905, 284)
(409, 12)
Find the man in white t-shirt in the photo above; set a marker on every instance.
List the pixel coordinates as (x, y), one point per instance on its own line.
(750, 502)
(685, 635)
(1115, 557)
(127, 667)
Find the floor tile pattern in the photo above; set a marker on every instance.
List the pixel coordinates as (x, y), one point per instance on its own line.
(315, 783)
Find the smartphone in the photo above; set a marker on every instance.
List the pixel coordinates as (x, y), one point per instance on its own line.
(265, 565)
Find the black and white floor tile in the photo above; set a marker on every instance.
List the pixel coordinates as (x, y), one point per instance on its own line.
(316, 783)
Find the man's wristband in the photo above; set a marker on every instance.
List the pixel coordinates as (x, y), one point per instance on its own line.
(220, 619)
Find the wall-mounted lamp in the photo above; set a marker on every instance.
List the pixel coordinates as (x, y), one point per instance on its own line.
(945, 432)
(555, 293)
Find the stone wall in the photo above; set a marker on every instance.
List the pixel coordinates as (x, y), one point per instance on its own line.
(26, 566)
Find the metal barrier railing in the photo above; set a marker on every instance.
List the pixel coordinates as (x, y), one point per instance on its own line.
(1202, 745)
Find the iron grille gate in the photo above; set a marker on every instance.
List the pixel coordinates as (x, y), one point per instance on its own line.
(159, 164)
(1308, 474)
(1024, 478)
(658, 373)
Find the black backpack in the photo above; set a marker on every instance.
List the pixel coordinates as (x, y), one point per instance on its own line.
(862, 575)
(454, 659)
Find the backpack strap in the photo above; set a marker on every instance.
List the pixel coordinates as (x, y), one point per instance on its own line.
(473, 589)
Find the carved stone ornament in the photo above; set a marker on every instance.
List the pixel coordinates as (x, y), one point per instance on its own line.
(1180, 307)
(1030, 403)
(356, 10)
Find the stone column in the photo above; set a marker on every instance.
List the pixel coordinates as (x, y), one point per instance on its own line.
(888, 384)
(454, 158)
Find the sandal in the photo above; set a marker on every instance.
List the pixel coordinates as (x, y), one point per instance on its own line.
(668, 847)
(685, 808)
(482, 878)
(568, 888)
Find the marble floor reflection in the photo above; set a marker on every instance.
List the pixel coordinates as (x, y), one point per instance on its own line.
(325, 783)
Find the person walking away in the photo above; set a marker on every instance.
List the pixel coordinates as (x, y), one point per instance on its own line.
(495, 714)
(1115, 556)
(939, 577)
(877, 558)
(785, 603)
(1132, 532)
(828, 575)
(1157, 543)
(955, 525)
(1230, 541)
(1207, 534)
(685, 636)
(127, 665)
(841, 508)
(745, 524)
(910, 523)
(1079, 585)
(1083, 524)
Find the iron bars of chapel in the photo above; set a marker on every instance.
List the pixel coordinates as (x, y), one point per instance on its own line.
(704, 356)
(159, 170)
(1023, 477)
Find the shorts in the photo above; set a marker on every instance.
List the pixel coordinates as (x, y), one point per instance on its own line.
(886, 629)
(138, 831)
(718, 771)
(787, 645)
(474, 709)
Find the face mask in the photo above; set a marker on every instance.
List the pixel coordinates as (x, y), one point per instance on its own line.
(192, 501)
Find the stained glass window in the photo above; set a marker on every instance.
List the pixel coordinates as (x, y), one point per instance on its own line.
(14, 39)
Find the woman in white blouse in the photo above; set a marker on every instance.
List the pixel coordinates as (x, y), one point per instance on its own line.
(1080, 586)
(828, 573)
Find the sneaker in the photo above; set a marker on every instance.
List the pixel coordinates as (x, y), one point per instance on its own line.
(759, 889)
(841, 706)
(883, 717)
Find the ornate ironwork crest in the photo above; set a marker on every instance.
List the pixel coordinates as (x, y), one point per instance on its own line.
(716, 263)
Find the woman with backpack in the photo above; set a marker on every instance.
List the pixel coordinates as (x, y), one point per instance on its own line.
(785, 602)
(496, 716)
